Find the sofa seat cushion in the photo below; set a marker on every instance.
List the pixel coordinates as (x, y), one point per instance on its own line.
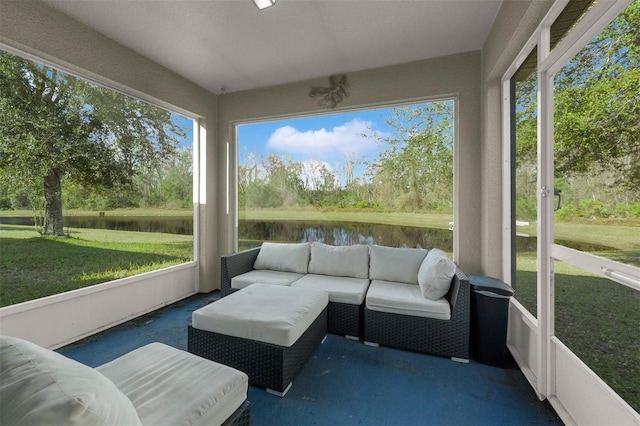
(266, 313)
(395, 264)
(347, 290)
(287, 257)
(339, 261)
(173, 387)
(265, 277)
(42, 387)
(405, 299)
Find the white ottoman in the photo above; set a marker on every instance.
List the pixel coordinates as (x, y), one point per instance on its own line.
(266, 331)
(170, 386)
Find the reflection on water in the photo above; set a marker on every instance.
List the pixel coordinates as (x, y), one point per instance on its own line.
(345, 234)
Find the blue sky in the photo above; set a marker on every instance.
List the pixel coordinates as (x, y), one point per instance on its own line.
(187, 125)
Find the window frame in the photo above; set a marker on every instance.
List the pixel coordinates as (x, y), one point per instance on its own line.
(232, 150)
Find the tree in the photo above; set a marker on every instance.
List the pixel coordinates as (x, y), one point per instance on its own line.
(596, 107)
(416, 167)
(177, 184)
(283, 176)
(56, 127)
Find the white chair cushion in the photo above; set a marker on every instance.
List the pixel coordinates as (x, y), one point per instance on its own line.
(42, 387)
(266, 313)
(435, 274)
(173, 387)
(405, 299)
(287, 257)
(395, 264)
(339, 261)
(341, 289)
(264, 276)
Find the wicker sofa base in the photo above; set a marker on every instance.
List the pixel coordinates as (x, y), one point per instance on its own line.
(240, 417)
(269, 366)
(345, 319)
(227, 291)
(427, 335)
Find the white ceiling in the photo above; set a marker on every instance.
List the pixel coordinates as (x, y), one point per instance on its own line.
(232, 44)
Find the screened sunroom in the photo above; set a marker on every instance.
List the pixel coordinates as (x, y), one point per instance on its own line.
(524, 148)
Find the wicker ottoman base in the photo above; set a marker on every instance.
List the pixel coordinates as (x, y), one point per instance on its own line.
(240, 417)
(269, 366)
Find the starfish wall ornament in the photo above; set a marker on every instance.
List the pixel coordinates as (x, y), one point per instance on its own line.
(332, 95)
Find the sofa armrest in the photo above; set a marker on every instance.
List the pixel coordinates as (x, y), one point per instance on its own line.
(458, 295)
(234, 264)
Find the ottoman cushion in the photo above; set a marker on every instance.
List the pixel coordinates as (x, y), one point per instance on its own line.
(202, 392)
(262, 312)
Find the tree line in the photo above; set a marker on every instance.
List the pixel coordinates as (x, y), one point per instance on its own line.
(169, 185)
(413, 172)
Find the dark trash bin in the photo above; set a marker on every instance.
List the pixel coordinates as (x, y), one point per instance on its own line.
(489, 318)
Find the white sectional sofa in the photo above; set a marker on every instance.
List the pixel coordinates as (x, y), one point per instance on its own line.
(152, 385)
(404, 297)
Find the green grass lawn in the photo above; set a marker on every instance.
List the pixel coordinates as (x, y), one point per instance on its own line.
(32, 266)
(423, 220)
(597, 319)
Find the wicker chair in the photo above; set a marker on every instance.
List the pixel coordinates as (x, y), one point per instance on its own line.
(433, 336)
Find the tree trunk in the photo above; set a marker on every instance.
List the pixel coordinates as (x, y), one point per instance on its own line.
(53, 204)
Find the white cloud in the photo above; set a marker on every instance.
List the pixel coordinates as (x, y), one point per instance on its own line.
(341, 139)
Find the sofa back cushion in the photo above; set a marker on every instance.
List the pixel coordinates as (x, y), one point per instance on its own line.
(395, 264)
(287, 257)
(435, 274)
(339, 261)
(42, 387)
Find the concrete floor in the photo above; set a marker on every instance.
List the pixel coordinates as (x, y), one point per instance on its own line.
(348, 383)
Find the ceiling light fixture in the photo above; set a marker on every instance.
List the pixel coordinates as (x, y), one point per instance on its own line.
(332, 95)
(263, 4)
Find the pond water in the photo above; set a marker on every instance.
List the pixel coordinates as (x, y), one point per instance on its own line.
(182, 225)
(344, 234)
(332, 233)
